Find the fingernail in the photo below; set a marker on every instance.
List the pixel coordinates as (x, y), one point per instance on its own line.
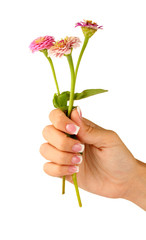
(73, 169)
(79, 112)
(72, 128)
(77, 159)
(78, 147)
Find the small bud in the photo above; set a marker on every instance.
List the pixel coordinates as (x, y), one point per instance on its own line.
(88, 27)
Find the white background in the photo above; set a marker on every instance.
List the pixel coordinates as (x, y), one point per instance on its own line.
(31, 204)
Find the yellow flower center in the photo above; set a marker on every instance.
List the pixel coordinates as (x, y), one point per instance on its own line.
(39, 40)
(90, 22)
(61, 43)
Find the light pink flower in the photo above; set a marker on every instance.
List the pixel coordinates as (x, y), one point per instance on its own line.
(42, 43)
(64, 46)
(88, 27)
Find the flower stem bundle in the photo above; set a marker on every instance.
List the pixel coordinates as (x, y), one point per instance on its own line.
(65, 100)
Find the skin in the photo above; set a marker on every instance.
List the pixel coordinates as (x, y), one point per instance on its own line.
(108, 168)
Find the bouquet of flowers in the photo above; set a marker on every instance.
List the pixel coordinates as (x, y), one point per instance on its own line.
(64, 47)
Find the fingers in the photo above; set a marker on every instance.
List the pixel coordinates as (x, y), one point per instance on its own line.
(56, 170)
(61, 150)
(61, 141)
(61, 122)
(63, 158)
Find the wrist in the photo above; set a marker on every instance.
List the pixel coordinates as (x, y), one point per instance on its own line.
(137, 189)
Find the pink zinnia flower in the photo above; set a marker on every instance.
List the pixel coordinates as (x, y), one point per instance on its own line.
(88, 24)
(42, 43)
(88, 27)
(64, 46)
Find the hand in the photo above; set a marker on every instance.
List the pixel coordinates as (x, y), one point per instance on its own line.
(108, 168)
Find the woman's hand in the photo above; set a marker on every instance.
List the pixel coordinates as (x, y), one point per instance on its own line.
(106, 167)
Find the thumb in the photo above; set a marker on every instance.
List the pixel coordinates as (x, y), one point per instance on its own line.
(89, 132)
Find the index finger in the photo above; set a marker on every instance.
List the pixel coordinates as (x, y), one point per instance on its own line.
(62, 122)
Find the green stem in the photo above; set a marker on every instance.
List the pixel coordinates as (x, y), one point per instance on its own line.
(52, 67)
(54, 74)
(71, 65)
(71, 101)
(63, 185)
(81, 54)
(74, 178)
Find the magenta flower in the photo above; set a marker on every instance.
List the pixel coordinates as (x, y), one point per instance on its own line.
(88, 27)
(64, 46)
(88, 24)
(42, 43)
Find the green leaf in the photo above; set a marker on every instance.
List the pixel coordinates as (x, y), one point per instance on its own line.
(60, 101)
(87, 93)
(66, 94)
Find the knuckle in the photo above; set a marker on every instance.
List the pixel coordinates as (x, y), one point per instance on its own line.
(54, 113)
(113, 133)
(45, 167)
(42, 148)
(89, 129)
(113, 136)
(46, 131)
(51, 114)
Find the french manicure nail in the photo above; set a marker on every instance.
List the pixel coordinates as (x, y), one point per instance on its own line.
(78, 147)
(73, 169)
(77, 159)
(72, 128)
(79, 112)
